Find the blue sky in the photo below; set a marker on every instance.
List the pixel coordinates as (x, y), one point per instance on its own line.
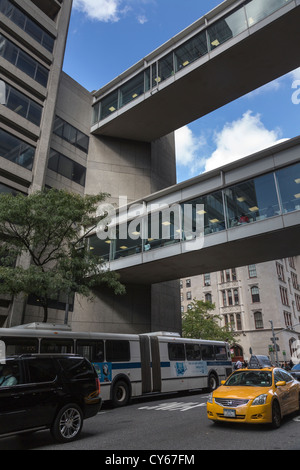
(106, 37)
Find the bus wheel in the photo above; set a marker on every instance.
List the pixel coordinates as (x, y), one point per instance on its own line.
(212, 382)
(120, 393)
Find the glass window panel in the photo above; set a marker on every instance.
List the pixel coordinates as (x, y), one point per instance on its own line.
(48, 42)
(26, 64)
(191, 51)
(26, 156)
(82, 141)
(4, 6)
(92, 350)
(57, 346)
(155, 80)
(8, 50)
(251, 200)
(96, 113)
(165, 68)
(53, 160)
(9, 146)
(34, 113)
(41, 75)
(99, 247)
(147, 79)
(34, 30)
(193, 352)
(18, 103)
(176, 351)
(289, 187)
(212, 211)
(227, 28)
(16, 150)
(109, 104)
(162, 228)
(17, 16)
(257, 9)
(65, 167)
(58, 127)
(132, 89)
(128, 241)
(78, 175)
(117, 350)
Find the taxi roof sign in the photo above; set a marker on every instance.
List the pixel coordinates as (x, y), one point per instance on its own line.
(258, 362)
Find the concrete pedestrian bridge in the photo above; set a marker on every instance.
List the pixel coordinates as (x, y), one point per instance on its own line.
(243, 213)
(234, 49)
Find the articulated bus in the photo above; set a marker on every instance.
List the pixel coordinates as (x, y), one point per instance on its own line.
(130, 365)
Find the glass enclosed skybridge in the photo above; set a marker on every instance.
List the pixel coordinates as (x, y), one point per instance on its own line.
(234, 49)
(244, 213)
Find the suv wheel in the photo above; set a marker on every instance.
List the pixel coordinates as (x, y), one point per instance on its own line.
(67, 424)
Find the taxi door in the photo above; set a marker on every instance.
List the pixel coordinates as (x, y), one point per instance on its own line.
(284, 392)
(293, 394)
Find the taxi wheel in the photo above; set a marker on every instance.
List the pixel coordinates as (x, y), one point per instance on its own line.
(276, 415)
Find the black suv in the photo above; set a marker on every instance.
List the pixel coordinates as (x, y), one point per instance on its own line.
(55, 392)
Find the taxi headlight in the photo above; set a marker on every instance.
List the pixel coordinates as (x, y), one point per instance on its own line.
(210, 398)
(260, 400)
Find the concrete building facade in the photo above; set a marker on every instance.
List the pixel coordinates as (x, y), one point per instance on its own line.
(55, 133)
(247, 298)
(45, 141)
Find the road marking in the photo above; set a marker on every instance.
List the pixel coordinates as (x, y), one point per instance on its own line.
(297, 419)
(173, 406)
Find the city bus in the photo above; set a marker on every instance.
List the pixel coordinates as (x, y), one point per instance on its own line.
(130, 365)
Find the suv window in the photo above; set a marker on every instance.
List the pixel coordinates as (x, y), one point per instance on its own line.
(41, 370)
(75, 368)
(10, 374)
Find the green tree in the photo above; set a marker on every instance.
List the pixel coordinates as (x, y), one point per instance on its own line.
(199, 322)
(49, 227)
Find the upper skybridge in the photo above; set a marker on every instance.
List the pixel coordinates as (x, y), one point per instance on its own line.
(234, 49)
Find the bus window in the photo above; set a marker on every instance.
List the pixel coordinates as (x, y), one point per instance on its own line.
(176, 351)
(207, 352)
(20, 345)
(117, 350)
(221, 353)
(91, 350)
(57, 345)
(193, 352)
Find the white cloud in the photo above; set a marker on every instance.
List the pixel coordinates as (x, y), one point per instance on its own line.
(187, 149)
(240, 138)
(100, 10)
(110, 10)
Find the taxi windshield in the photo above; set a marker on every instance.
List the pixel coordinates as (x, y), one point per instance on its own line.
(250, 378)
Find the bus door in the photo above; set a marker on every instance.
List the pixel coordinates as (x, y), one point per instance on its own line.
(145, 364)
(156, 366)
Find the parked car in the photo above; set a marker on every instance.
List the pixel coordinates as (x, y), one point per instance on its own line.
(255, 396)
(295, 372)
(55, 392)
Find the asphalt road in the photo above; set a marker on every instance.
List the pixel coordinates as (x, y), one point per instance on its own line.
(163, 424)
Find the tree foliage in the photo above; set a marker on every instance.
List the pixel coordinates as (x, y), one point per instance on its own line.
(200, 322)
(50, 226)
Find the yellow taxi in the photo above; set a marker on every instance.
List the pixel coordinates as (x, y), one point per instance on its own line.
(258, 394)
